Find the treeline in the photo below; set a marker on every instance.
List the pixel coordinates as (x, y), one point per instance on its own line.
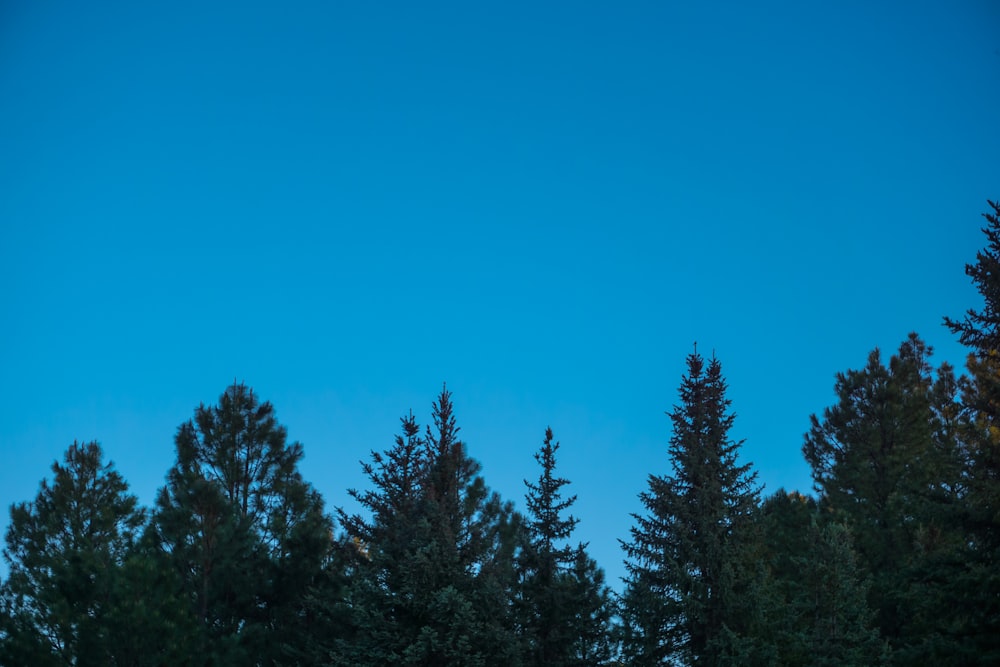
(894, 560)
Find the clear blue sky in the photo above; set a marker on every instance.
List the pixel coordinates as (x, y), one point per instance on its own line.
(544, 205)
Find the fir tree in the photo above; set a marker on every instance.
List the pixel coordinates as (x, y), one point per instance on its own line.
(688, 591)
(432, 580)
(564, 604)
(816, 599)
(980, 329)
(377, 548)
(978, 628)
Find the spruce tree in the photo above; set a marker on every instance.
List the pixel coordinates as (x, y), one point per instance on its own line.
(378, 547)
(564, 605)
(979, 618)
(980, 329)
(816, 594)
(690, 586)
(433, 577)
(65, 550)
(462, 564)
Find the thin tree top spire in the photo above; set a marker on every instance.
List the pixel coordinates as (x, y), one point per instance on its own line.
(980, 330)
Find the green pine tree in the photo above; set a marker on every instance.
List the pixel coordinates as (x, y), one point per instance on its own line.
(242, 531)
(65, 551)
(564, 604)
(433, 578)
(886, 464)
(690, 592)
(817, 611)
(977, 620)
(382, 615)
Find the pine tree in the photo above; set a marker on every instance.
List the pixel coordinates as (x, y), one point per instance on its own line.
(433, 577)
(466, 542)
(689, 591)
(65, 550)
(818, 612)
(245, 534)
(978, 623)
(884, 463)
(980, 329)
(564, 604)
(382, 614)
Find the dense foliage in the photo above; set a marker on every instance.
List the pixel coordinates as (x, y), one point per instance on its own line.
(892, 560)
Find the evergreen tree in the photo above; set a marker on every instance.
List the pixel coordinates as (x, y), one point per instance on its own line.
(149, 621)
(564, 604)
(382, 614)
(64, 551)
(885, 463)
(242, 530)
(434, 577)
(980, 329)
(690, 589)
(978, 619)
(816, 594)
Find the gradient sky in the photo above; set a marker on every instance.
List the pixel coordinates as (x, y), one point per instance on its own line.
(346, 204)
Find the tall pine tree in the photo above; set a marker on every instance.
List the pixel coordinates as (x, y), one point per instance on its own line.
(816, 594)
(980, 434)
(690, 585)
(433, 579)
(885, 464)
(564, 605)
(65, 551)
(243, 531)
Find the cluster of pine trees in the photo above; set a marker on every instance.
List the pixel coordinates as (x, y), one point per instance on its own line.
(894, 560)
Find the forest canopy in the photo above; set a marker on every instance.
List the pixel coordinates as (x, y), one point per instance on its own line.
(889, 559)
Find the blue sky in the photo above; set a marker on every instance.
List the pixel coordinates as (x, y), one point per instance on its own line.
(346, 204)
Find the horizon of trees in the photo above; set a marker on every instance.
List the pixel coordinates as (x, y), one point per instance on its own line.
(239, 561)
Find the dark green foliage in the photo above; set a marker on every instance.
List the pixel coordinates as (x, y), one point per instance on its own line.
(65, 551)
(886, 463)
(242, 531)
(977, 627)
(377, 549)
(817, 595)
(896, 560)
(689, 594)
(433, 577)
(980, 329)
(563, 603)
(149, 622)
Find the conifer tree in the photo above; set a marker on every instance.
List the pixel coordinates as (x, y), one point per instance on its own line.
(979, 587)
(564, 604)
(689, 590)
(885, 464)
(378, 547)
(65, 550)
(816, 594)
(433, 577)
(463, 561)
(243, 531)
(980, 329)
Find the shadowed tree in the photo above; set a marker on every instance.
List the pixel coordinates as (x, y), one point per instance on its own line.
(65, 550)
(886, 464)
(818, 612)
(242, 530)
(979, 586)
(689, 594)
(433, 578)
(564, 604)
